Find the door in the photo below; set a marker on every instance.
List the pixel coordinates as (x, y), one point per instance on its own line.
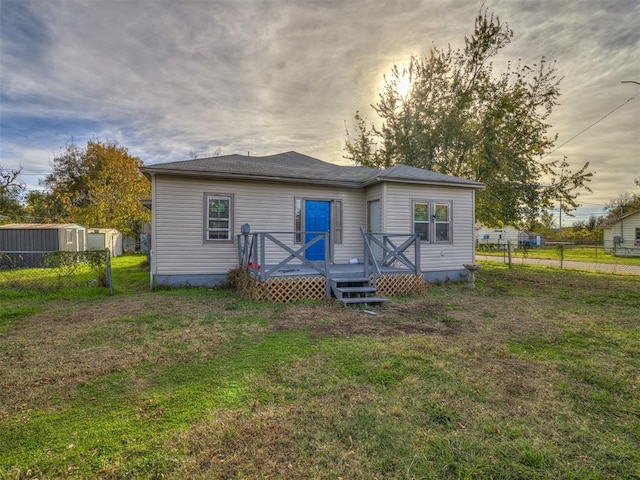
(317, 218)
(374, 224)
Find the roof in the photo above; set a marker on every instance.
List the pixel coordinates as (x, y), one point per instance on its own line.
(40, 226)
(91, 230)
(299, 168)
(612, 222)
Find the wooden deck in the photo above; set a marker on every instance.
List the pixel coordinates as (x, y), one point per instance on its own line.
(296, 278)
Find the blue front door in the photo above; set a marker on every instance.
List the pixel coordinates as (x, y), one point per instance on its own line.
(317, 214)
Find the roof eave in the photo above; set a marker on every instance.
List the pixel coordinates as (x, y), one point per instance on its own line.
(439, 183)
(245, 177)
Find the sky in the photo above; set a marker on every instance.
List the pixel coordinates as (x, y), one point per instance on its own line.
(171, 80)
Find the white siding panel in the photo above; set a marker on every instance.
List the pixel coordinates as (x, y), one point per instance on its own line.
(178, 214)
(441, 256)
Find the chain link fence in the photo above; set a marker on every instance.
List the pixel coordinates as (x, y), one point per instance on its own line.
(55, 270)
(563, 255)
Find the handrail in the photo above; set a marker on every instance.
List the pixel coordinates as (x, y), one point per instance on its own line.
(392, 252)
(369, 256)
(252, 253)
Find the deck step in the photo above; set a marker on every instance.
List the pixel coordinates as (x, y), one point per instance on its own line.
(360, 300)
(355, 290)
(336, 280)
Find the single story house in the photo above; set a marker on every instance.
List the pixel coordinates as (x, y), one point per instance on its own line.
(622, 236)
(25, 244)
(103, 238)
(202, 208)
(504, 235)
(496, 236)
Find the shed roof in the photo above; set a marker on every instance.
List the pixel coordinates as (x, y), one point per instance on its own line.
(40, 226)
(299, 168)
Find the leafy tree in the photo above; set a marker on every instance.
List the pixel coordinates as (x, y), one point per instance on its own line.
(98, 186)
(623, 204)
(11, 189)
(42, 207)
(459, 118)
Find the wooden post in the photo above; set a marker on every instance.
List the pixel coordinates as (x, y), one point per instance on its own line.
(509, 253)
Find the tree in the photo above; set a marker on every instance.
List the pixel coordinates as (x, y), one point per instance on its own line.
(42, 207)
(458, 118)
(11, 189)
(98, 186)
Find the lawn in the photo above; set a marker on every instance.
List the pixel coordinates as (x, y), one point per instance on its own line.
(533, 375)
(577, 253)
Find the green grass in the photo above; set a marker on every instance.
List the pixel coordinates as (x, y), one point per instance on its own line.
(533, 375)
(569, 252)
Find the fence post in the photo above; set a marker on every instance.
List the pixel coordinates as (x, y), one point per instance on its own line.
(108, 267)
(509, 253)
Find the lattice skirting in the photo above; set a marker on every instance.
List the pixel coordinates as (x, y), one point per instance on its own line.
(394, 285)
(289, 289)
(292, 289)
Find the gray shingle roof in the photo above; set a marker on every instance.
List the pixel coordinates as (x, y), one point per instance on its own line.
(295, 167)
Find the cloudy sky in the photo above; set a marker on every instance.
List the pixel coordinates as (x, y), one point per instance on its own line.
(172, 79)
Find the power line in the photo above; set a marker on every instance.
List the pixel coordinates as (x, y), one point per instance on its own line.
(592, 125)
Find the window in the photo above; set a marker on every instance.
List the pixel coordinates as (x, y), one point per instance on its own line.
(421, 220)
(432, 221)
(297, 222)
(69, 235)
(218, 217)
(442, 223)
(637, 236)
(336, 221)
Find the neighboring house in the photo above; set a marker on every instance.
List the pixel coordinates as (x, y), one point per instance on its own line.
(503, 235)
(497, 236)
(200, 206)
(25, 244)
(103, 238)
(622, 236)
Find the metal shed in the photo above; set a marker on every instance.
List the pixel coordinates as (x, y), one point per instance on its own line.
(24, 244)
(101, 238)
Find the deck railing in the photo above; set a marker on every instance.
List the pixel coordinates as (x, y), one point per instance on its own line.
(392, 252)
(252, 253)
(265, 256)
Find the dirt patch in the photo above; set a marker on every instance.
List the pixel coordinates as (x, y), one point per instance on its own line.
(331, 319)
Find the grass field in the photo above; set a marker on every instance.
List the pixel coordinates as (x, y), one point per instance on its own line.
(578, 253)
(533, 375)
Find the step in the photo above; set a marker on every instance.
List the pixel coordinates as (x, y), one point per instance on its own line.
(335, 280)
(360, 300)
(356, 289)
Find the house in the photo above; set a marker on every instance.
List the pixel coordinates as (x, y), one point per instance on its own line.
(103, 238)
(622, 236)
(25, 244)
(204, 211)
(504, 235)
(497, 236)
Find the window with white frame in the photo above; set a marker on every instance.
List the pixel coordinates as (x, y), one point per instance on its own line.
(218, 221)
(69, 233)
(432, 221)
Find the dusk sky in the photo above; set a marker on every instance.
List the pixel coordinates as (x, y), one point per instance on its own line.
(173, 79)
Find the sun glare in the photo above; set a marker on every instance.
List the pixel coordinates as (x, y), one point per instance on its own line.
(403, 86)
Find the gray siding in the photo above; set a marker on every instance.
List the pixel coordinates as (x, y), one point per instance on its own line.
(29, 240)
(178, 210)
(398, 218)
